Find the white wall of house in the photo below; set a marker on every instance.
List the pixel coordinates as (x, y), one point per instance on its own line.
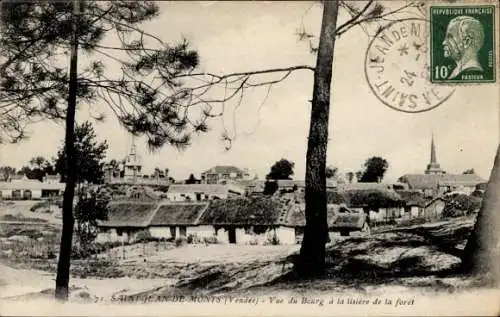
(6, 193)
(222, 235)
(415, 212)
(242, 237)
(36, 193)
(376, 216)
(163, 232)
(193, 196)
(285, 235)
(111, 235)
(201, 231)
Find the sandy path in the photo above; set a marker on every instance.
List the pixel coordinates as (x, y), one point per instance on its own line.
(14, 282)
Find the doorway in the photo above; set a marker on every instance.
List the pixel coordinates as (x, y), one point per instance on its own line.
(231, 232)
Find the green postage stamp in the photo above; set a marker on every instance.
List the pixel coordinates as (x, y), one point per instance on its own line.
(462, 44)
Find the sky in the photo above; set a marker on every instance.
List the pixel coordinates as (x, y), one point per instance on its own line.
(233, 37)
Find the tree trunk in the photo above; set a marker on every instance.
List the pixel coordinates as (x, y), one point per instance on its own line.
(483, 246)
(63, 265)
(312, 252)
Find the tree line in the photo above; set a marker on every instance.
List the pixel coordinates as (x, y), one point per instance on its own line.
(373, 170)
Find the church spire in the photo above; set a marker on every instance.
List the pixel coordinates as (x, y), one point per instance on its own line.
(433, 167)
(433, 151)
(133, 148)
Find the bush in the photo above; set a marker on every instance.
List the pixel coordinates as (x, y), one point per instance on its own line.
(211, 240)
(460, 205)
(193, 238)
(181, 241)
(143, 236)
(273, 240)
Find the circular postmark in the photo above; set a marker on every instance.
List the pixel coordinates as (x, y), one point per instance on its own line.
(397, 69)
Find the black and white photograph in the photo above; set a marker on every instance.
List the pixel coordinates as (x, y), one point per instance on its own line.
(264, 158)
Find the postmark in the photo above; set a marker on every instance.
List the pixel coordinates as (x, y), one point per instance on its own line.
(462, 44)
(396, 68)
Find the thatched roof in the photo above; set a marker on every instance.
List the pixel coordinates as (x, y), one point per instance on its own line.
(373, 198)
(178, 214)
(364, 186)
(211, 189)
(129, 214)
(242, 211)
(225, 169)
(296, 217)
(432, 181)
(290, 183)
(413, 198)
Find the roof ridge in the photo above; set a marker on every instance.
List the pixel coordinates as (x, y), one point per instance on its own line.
(153, 214)
(197, 220)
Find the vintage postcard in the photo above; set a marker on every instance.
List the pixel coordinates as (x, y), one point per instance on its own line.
(264, 158)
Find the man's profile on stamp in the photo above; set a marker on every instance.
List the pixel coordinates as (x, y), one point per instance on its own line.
(463, 40)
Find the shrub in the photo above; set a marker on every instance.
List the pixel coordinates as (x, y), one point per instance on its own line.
(181, 241)
(211, 240)
(143, 236)
(273, 240)
(193, 238)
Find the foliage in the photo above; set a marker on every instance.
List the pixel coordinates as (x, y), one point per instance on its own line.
(211, 240)
(89, 155)
(282, 169)
(461, 205)
(331, 172)
(143, 236)
(374, 170)
(270, 187)
(373, 199)
(38, 167)
(272, 240)
(181, 241)
(147, 95)
(6, 172)
(91, 207)
(350, 176)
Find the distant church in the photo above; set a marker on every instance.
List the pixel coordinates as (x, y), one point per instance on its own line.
(132, 165)
(130, 171)
(435, 181)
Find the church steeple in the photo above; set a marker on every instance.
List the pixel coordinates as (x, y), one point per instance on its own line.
(433, 151)
(133, 164)
(433, 167)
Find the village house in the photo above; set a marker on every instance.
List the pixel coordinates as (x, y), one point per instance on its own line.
(174, 220)
(414, 204)
(21, 187)
(434, 208)
(245, 220)
(380, 205)
(341, 220)
(300, 185)
(236, 221)
(201, 192)
(251, 186)
(125, 220)
(223, 173)
(435, 181)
